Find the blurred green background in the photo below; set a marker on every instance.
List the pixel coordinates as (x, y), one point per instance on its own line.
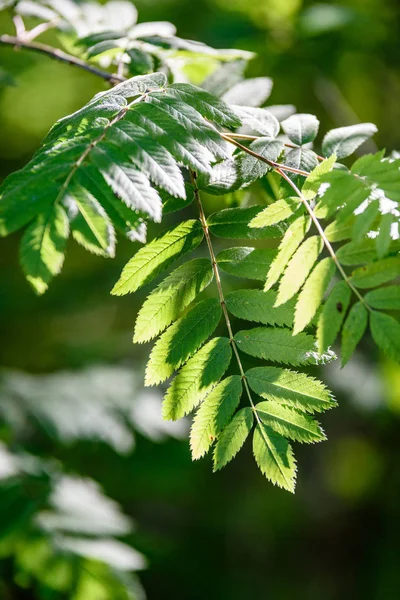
(230, 535)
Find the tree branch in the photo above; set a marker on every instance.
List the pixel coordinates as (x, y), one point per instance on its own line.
(57, 54)
(270, 163)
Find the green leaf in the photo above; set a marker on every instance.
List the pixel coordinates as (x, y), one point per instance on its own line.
(171, 297)
(19, 189)
(191, 120)
(223, 178)
(301, 128)
(345, 192)
(345, 140)
(102, 47)
(299, 268)
(259, 306)
(357, 252)
(277, 345)
(213, 415)
(251, 168)
(127, 182)
(140, 62)
(233, 437)
(274, 457)
(339, 231)
(150, 157)
(91, 226)
(275, 213)
(386, 334)
(250, 263)
(296, 390)
(380, 173)
(376, 273)
(156, 256)
(249, 92)
(332, 315)
(313, 182)
(383, 239)
(353, 330)
(206, 104)
(363, 222)
(42, 247)
(289, 423)
(259, 120)
(181, 340)
(300, 158)
(197, 378)
(234, 223)
(312, 293)
(288, 246)
(386, 298)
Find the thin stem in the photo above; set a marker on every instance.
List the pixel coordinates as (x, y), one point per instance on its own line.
(253, 138)
(39, 29)
(217, 276)
(270, 163)
(55, 53)
(323, 236)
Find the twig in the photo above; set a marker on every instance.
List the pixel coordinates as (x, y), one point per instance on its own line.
(55, 53)
(253, 138)
(271, 163)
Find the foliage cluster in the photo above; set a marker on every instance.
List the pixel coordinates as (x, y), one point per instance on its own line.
(321, 235)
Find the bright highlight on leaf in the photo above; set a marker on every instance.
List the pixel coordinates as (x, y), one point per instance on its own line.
(214, 414)
(233, 437)
(274, 456)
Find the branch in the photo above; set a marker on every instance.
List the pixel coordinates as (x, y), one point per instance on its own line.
(270, 163)
(55, 53)
(253, 138)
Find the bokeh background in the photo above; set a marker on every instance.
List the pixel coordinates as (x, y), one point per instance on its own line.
(231, 535)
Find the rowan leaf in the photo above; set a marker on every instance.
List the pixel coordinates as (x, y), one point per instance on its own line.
(299, 268)
(386, 298)
(259, 306)
(275, 213)
(353, 330)
(156, 256)
(233, 223)
(288, 246)
(376, 273)
(345, 140)
(277, 344)
(197, 378)
(42, 247)
(312, 293)
(233, 437)
(171, 297)
(332, 315)
(250, 263)
(289, 388)
(214, 414)
(301, 128)
(181, 340)
(386, 334)
(274, 457)
(289, 423)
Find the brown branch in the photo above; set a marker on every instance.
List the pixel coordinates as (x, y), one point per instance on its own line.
(57, 54)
